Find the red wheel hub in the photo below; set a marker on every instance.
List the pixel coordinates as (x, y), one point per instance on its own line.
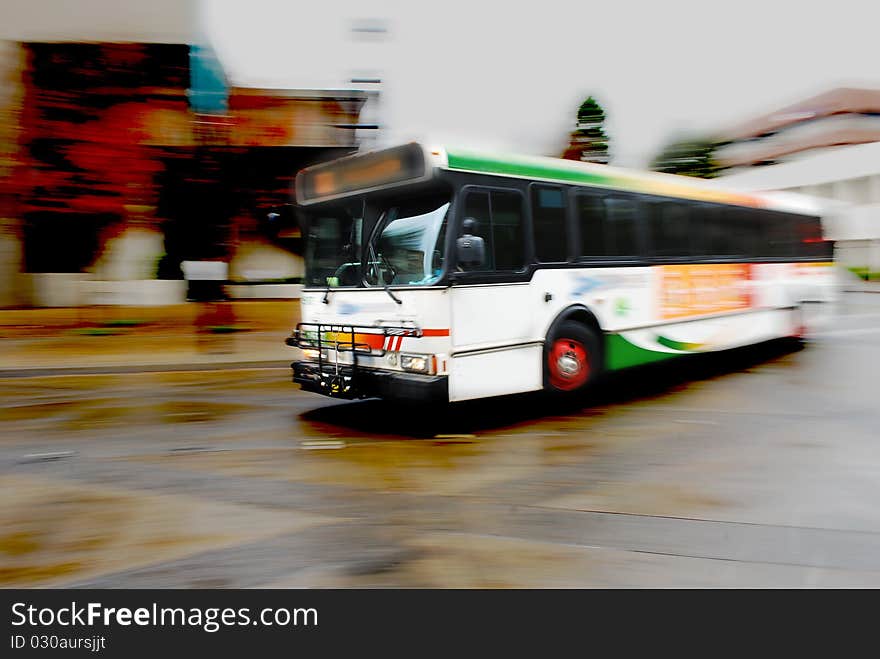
(568, 364)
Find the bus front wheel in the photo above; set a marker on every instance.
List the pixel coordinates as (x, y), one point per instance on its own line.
(571, 358)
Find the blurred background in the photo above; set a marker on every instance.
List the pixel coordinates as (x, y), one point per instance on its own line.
(137, 137)
(147, 153)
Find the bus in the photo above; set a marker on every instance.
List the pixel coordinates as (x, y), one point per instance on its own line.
(442, 274)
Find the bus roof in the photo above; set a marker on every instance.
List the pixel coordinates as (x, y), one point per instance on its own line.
(558, 170)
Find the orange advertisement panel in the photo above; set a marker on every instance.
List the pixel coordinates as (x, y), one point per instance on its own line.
(700, 289)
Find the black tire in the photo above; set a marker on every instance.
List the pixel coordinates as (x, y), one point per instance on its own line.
(572, 359)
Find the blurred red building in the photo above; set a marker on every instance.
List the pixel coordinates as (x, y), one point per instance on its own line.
(120, 160)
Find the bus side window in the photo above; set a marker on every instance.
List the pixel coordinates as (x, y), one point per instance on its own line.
(780, 234)
(670, 232)
(738, 227)
(716, 232)
(751, 231)
(507, 230)
(548, 224)
(824, 249)
(809, 239)
(476, 206)
(621, 233)
(591, 219)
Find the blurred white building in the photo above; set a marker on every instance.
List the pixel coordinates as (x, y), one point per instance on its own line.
(827, 147)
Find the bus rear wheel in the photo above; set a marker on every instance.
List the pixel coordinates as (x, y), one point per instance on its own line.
(571, 358)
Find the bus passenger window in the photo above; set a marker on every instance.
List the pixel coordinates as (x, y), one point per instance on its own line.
(548, 224)
(591, 219)
(507, 230)
(745, 224)
(780, 234)
(810, 242)
(703, 230)
(716, 232)
(737, 225)
(621, 231)
(670, 231)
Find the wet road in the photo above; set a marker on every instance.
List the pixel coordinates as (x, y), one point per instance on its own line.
(757, 468)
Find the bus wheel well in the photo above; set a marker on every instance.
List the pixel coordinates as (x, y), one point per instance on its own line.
(582, 315)
(579, 315)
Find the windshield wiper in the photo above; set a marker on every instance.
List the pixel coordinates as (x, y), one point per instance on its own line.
(378, 260)
(392, 295)
(375, 260)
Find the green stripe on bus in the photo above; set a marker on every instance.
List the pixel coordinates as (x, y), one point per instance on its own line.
(567, 171)
(525, 168)
(620, 353)
(678, 345)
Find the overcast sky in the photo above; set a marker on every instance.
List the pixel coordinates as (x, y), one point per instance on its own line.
(510, 75)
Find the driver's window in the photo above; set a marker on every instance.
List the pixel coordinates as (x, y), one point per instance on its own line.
(498, 216)
(476, 207)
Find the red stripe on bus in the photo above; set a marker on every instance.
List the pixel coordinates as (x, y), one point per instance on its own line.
(378, 341)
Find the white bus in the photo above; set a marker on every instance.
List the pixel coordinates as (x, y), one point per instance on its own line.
(439, 274)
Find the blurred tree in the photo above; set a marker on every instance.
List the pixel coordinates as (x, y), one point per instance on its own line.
(690, 157)
(589, 142)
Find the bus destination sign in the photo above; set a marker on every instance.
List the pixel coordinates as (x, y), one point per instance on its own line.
(361, 173)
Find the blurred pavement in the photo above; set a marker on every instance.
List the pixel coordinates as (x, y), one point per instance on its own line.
(862, 287)
(757, 467)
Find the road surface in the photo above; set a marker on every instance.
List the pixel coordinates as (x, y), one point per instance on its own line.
(757, 468)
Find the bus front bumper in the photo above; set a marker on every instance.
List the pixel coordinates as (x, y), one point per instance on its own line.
(352, 383)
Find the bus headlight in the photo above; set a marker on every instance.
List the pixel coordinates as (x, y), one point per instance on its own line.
(415, 363)
(312, 354)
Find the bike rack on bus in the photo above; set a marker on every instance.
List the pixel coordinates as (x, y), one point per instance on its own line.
(313, 336)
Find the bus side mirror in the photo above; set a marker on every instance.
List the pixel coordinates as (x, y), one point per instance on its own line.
(470, 249)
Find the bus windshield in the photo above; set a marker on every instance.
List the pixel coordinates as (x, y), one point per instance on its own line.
(405, 248)
(333, 247)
